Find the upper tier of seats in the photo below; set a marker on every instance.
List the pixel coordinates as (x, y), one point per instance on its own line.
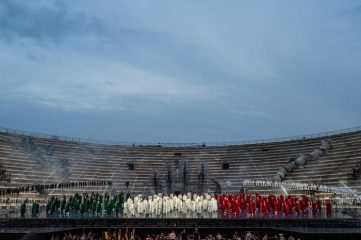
(47, 161)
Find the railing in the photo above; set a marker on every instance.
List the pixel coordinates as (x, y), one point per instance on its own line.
(184, 144)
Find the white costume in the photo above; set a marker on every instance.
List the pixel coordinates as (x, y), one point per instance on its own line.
(171, 205)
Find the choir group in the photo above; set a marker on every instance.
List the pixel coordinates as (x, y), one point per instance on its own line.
(171, 205)
(183, 206)
(235, 204)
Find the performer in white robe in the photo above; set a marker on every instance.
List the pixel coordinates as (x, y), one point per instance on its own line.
(214, 205)
(184, 205)
(198, 204)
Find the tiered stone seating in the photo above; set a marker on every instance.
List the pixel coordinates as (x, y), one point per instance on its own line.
(91, 162)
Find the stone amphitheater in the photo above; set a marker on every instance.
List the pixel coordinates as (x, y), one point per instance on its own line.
(34, 159)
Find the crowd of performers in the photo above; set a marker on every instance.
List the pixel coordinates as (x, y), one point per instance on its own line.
(186, 205)
(94, 204)
(34, 209)
(235, 204)
(157, 205)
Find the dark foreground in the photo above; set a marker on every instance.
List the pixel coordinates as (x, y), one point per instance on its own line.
(314, 228)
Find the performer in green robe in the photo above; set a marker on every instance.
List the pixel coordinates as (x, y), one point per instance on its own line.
(33, 210)
(62, 204)
(23, 210)
(82, 209)
(67, 207)
(121, 202)
(36, 209)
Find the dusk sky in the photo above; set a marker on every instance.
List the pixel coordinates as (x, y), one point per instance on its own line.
(180, 71)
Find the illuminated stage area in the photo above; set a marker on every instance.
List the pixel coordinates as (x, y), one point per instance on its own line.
(307, 186)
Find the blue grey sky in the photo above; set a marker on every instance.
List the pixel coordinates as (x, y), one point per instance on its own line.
(180, 71)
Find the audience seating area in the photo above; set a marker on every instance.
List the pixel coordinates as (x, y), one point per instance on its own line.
(50, 161)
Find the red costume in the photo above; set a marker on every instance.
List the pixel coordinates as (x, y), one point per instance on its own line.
(314, 208)
(328, 209)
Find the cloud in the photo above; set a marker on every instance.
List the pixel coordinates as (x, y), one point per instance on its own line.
(43, 21)
(229, 70)
(76, 82)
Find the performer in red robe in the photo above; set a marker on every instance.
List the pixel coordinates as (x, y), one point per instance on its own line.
(286, 209)
(229, 206)
(280, 204)
(252, 208)
(305, 200)
(276, 207)
(314, 208)
(318, 203)
(298, 208)
(222, 205)
(258, 201)
(238, 207)
(272, 200)
(267, 205)
(302, 205)
(328, 209)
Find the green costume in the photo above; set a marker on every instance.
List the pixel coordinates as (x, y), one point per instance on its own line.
(23, 210)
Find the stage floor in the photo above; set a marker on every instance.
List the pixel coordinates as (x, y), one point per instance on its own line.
(338, 214)
(313, 225)
(306, 223)
(339, 222)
